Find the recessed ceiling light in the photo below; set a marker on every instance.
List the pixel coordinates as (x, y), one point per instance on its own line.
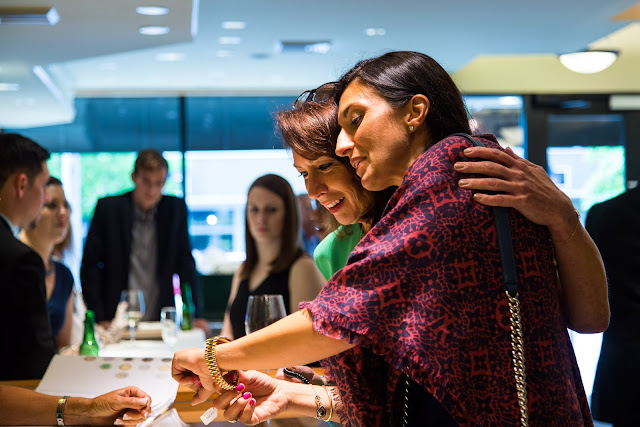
(222, 53)
(234, 25)
(153, 30)
(170, 57)
(375, 32)
(322, 47)
(291, 46)
(6, 87)
(152, 10)
(230, 40)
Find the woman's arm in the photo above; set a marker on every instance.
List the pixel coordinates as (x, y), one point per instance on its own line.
(127, 406)
(227, 330)
(260, 397)
(526, 187)
(287, 342)
(63, 338)
(305, 282)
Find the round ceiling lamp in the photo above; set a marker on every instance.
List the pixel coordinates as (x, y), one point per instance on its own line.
(589, 61)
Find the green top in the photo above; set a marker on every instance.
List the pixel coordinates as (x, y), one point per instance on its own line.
(334, 250)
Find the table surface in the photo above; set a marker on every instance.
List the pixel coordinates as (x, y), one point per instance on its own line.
(191, 414)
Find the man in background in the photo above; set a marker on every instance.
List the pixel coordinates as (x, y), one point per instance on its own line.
(614, 226)
(27, 341)
(138, 240)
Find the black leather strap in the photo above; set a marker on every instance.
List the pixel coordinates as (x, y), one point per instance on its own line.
(505, 241)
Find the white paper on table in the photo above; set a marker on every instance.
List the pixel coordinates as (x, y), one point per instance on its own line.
(88, 376)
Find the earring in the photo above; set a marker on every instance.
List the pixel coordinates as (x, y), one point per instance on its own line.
(410, 128)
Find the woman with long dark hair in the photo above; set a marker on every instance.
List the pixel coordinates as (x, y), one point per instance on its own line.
(275, 263)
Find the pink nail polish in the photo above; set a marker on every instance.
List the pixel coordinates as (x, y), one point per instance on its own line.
(240, 387)
(199, 384)
(252, 402)
(247, 395)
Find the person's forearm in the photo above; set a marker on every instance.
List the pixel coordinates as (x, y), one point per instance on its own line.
(583, 282)
(302, 400)
(288, 342)
(25, 407)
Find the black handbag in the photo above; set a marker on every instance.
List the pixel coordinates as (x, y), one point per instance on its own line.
(510, 277)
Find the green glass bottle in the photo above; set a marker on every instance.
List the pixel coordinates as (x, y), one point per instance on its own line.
(89, 345)
(188, 308)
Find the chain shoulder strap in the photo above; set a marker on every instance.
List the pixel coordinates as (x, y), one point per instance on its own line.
(505, 243)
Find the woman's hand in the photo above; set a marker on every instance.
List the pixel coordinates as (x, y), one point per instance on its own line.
(522, 185)
(126, 406)
(257, 398)
(189, 368)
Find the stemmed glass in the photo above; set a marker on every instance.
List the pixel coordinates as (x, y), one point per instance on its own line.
(263, 310)
(134, 309)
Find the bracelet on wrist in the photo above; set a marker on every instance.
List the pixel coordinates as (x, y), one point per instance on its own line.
(326, 420)
(212, 363)
(574, 230)
(62, 402)
(321, 411)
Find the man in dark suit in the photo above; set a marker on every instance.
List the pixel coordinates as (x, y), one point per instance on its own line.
(614, 226)
(138, 240)
(27, 341)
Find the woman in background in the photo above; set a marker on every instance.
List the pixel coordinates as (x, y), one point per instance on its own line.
(50, 237)
(275, 264)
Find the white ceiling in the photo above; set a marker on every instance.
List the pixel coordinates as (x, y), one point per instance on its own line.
(96, 49)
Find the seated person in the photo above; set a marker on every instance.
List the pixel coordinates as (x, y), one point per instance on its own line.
(275, 263)
(50, 232)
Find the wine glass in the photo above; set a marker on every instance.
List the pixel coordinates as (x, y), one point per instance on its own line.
(263, 310)
(134, 309)
(170, 325)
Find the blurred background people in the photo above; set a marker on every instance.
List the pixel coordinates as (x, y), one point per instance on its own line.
(50, 236)
(615, 228)
(138, 240)
(314, 221)
(275, 263)
(28, 344)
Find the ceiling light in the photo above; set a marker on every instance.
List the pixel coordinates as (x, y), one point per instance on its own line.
(6, 87)
(229, 40)
(223, 53)
(152, 10)
(375, 32)
(170, 57)
(37, 16)
(234, 25)
(316, 46)
(153, 30)
(589, 61)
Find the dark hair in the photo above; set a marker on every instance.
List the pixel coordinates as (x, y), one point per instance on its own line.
(19, 154)
(150, 160)
(61, 248)
(290, 249)
(398, 76)
(311, 130)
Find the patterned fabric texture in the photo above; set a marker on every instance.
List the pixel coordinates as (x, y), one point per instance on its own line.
(423, 294)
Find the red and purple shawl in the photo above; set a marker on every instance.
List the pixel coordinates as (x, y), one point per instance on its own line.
(423, 295)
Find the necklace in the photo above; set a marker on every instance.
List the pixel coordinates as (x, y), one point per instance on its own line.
(49, 270)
